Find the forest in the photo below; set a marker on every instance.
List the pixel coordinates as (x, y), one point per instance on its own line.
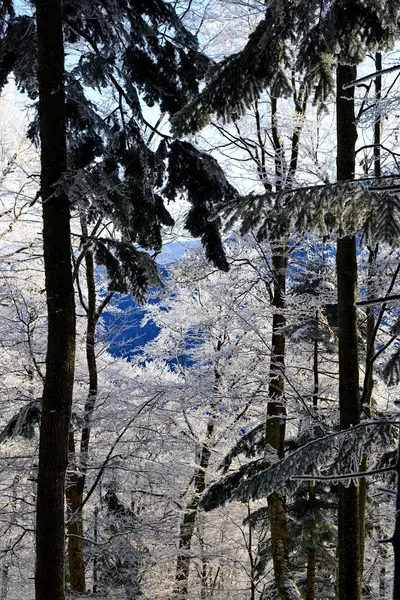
(199, 299)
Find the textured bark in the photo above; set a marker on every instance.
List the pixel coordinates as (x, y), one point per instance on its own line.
(58, 385)
(75, 546)
(349, 396)
(311, 565)
(315, 372)
(276, 410)
(77, 478)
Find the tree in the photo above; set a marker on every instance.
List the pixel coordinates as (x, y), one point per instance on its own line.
(355, 28)
(58, 383)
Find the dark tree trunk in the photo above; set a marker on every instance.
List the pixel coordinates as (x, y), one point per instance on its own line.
(315, 372)
(396, 535)
(77, 478)
(58, 386)
(275, 429)
(311, 566)
(276, 409)
(369, 371)
(75, 547)
(349, 395)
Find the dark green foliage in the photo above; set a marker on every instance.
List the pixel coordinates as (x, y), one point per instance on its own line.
(320, 34)
(135, 52)
(224, 490)
(129, 269)
(24, 422)
(317, 452)
(391, 370)
(18, 55)
(242, 76)
(199, 176)
(332, 209)
(156, 53)
(250, 444)
(387, 219)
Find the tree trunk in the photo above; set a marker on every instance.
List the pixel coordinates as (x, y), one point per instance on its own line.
(189, 519)
(311, 565)
(58, 385)
(275, 431)
(369, 371)
(276, 410)
(311, 550)
(77, 479)
(349, 395)
(315, 372)
(396, 535)
(75, 546)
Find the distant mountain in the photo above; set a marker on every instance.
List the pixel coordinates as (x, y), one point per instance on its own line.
(123, 321)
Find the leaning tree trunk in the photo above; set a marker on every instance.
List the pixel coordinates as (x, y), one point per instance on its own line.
(189, 520)
(58, 385)
(188, 524)
(349, 395)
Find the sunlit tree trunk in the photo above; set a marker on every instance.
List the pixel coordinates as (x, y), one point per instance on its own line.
(188, 524)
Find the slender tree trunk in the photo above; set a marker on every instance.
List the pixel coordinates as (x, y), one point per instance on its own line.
(367, 400)
(275, 431)
(95, 537)
(189, 518)
(396, 535)
(349, 395)
(276, 409)
(58, 385)
(311, 550)
(75, 546)
(311, 566)
(77, 479)
(315, 370)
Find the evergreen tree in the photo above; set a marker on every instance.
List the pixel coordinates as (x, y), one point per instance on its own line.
(347, 31)
(140, 52)
(58, 383)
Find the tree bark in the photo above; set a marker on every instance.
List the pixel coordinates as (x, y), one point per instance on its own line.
(58, 385)
(276, 409)
(275, 427)
(349, 395)
(75, 547)
(189, 518)
(77, 478)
